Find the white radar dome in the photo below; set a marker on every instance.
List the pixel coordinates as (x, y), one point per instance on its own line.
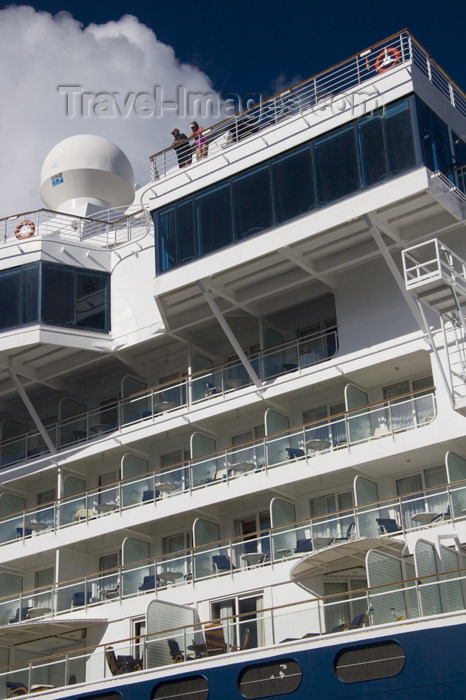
(84, 174)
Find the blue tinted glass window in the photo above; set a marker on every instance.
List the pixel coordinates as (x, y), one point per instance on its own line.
(30, 293)
(434, 139)
(55, 294)
(58, 295)
(166, 239)
(336, 165)
(185, 231)
(293, 185)
(374, 164)
(214, 220)
(10, 286)
(362, 154)
(399, 137)
(92, 305)
(252, 197)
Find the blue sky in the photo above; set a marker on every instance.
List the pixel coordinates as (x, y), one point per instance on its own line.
(248, 45)
(238, 47)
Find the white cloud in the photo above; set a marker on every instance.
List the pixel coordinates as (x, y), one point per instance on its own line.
(41, 52)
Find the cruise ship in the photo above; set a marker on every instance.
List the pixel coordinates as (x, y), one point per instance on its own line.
(233, 402)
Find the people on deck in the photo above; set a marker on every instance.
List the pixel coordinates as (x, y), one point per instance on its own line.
(182, 148)
(200, 140)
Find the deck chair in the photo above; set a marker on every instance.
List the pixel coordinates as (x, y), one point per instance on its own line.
(442, 516)
(15, 688)
(220, 562)
(387, 525)
(349, 534)
(121, 664)
(214, 640)
(210, 389)
(303, 546)
(176, 653)
(26, 532)
(294, 452)
(148, 583)
(357, 622)
(81, 598)
(244, 641)
(21, 614)
(339, 628)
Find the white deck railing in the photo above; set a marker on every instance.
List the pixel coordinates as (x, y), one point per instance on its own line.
(292, 356)
(376, 606)
(393, 517)
(341, 432)
(107, 229)
(333, 88)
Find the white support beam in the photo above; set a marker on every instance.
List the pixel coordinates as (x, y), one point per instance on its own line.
(230, 335)
(32, 411)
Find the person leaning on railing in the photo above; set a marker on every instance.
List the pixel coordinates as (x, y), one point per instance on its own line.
(182, 148)
(200, 141)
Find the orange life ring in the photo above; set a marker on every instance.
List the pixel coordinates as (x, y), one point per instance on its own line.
(390, 55)
(25, 229)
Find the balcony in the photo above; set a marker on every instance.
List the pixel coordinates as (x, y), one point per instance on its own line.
(386, 607)
(391, 517)
(154, 403)
(340, 432)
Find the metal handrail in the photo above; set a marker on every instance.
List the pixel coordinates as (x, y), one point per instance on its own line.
(318, 93)
(277, 620)
(109, 229)
(382, 419)
(276, 544)
(193, 388)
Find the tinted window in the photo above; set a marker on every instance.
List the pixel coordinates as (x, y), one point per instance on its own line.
(399, 136)
(213, 210)
(373, 157)
(194, 688)
(252, 199)
(336, 165)
(10, 295)
(166, 238)
(293, 183)
(57, 295)
(369, 662)
(92, 305)
(435, 140)
(266, 680)
(185, 232)
(29, 293)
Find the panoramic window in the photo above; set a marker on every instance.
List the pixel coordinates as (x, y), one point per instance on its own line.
(266, 680)
(293, 184)
(331, 167)
(56, 295)
(369, 662)
(252, 199)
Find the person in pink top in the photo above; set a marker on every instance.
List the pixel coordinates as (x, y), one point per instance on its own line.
(200, 141)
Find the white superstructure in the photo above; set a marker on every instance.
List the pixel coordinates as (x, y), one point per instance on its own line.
(281, 402)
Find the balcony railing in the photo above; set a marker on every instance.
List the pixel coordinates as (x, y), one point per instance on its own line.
(343, 431)
(389, 606)
(395, 516)
(110, 229)
(336, 88)
(153, 403)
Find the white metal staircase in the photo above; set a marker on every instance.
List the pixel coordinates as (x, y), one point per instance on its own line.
(436, 276)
